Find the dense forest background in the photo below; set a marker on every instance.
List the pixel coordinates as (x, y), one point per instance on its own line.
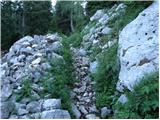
(20, 18)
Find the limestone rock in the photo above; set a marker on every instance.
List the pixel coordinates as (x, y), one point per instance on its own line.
(52, 104)
(46, 66)
(91, 116)
(93, 66)
(106, 30)
(6, 91)
(13, 117)
(52, 37)
(55, 114)
(83, 110)
(93, 109)
(104, 19)
(123, 99)
(138, 48)
(76, 112)
(105, 112)
(6, 109)
(56, 46)
(25, 39)
(97, 15)
(22, 111)
(81, 52)
(36, 61)
(33, 107)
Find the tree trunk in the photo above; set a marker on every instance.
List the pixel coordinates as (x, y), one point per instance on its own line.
(71, 22)
(23, 21)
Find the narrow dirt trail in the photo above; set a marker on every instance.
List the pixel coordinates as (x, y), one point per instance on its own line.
(83, 94)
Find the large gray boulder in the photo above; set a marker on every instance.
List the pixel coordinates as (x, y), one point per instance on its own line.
(105, 112)
(55, 114)
(75, 111)
(6, 109)
(52, 104)
(106, 30)
(6, 91)
(138, 48)
(97, 15)
(33, 107)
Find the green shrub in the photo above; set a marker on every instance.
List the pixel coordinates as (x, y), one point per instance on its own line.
(60, 78)
(75, 39)
(90, 25)
(106, 77)
(26, 90)
(95, 50)
(143, 102)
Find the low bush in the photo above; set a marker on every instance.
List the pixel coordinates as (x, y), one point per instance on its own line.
(95, 50)
(60, 78)
(143, 102)
(75, 39)
(26, 89)
(106, 77)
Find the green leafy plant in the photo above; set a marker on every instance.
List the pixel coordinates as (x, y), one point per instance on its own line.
(89, 26)
(60, 78)
(106, 77)
(143, 102)
(75, 39)
(94, 52)
(26, 90)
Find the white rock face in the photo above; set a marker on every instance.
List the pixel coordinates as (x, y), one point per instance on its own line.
(138, 48)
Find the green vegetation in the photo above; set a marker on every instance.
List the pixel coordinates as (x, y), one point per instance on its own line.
(60, 78)
(106, 77)
(143, 102)
(89, 26)
(95, 50)
(26, 90)
(68, 17)
(20, 18)
(105, 38)
(75, 39)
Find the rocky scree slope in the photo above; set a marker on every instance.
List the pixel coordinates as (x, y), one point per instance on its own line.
(86, 63)
(21, 69)
(136, 55)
